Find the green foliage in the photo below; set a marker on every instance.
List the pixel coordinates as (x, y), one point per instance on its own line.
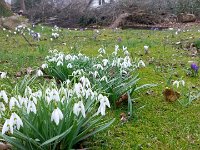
(38, 131)
(197, 43)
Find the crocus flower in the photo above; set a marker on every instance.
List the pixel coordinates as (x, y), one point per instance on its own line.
(56, 116)
(194, 67)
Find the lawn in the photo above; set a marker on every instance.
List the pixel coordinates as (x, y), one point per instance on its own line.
(156, 123)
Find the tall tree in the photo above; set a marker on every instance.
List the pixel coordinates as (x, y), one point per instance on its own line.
(22, 5)
(4, 9)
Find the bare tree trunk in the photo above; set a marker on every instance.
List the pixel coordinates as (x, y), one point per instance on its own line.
(22, 5)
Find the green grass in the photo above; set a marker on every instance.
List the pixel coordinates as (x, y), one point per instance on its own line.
(156, 124)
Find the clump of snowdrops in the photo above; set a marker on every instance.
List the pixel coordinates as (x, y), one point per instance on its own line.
(113, 74)
(52, 117)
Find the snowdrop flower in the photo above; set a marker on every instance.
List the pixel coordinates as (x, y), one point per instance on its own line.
(56, 116)
(28, 91)
(95, 74)
(79, 107)
(85, 82)
(103, 103)
(55, 95)
(104, 78)
(88, 93)
(78, 89)
(98, 66)
(102, 51)
(55, 35)
(141, 63)
(69, 65)
(16, 120)
(146, 49)
(4, 96)
(105, 62)
(124, 48)
(22, 100)
(126, 53)
(4, 29)
(77, 72)
(13, 102)
(2, 107)
(8, 126)
(44, 66)
(59, 63)
(182, 82)
(3, 75)
(39, 73)
(31, 107)
(177, 83)
(116, 48)
(37, 94)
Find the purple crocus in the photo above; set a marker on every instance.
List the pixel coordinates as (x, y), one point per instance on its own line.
(194, 67)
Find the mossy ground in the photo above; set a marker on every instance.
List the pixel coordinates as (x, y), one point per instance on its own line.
(156, 124)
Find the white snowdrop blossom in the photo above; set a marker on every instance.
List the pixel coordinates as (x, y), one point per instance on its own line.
(23, 100)
(37, 94)
(78, 89)
(77, 72)
(141, 64)
(54, 95)
(2, 107)
(79, 107)
(69, 65)
(44, 66)
(3, 75)
(28, 91)
(59, 63)
(102, 51)
(13, 102)
(105, 62)
(177, 83)
(55, 35)
(124, 48)
(31, 107)
(16, 120)
(8, 126)
(56, 116)
(103, 103)
(98, 66)
(85, 82)
(146, 49)
(104, 78)
(4, 96)
(39, 73)
(95, 74)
